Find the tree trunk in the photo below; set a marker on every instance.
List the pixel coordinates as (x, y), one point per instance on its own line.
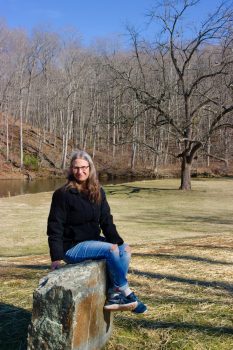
(7, 137)
(186, 166)
(28, 99)
(21, 130)
(133, 155)
(114, 131)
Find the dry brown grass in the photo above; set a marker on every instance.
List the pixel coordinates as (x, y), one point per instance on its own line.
(187, 285)
(19, 276)
(188, 288)
(182, 267)
(145, 211)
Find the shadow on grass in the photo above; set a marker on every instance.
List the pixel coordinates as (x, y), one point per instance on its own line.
(172, 219)
(215, 284)
(209, 219)
(150, 324)
(14, 323)
(183, 257)
(128, 190)
(34, 267)
(31, 273)
(136, 189)
(205, 246)
(189, 301)
(27, 266)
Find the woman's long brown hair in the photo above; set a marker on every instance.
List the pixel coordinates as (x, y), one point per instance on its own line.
(92, 186)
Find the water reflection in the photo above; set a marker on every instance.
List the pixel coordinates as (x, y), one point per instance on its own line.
(10, 188)
(15, 187)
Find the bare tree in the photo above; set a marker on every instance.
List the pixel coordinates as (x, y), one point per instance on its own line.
(163, 102)
(179, 78)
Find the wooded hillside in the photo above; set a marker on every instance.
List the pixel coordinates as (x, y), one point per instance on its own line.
(43, 156)
(161, 104)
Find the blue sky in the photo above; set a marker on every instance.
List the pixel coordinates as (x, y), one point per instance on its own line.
(92, 18)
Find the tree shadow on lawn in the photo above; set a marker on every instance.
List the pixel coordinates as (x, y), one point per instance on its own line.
(16, 272)
(14, 323)
(150, 324)
(209, 219)
(190, 301)
(206, 246)
(171, 218)
(214, 284)
(182, 257)
(129, 190)
(34, 267)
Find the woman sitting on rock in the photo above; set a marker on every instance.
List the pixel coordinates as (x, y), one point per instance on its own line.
(79, 212)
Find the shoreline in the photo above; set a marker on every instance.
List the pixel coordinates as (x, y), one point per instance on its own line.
(110, 174)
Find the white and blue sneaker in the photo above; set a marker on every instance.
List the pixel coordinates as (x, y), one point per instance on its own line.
(118, 302)
(140, 308)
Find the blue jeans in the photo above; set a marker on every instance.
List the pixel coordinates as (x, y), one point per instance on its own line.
(117, 259)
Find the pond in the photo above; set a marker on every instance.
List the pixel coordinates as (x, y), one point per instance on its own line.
(16, 187)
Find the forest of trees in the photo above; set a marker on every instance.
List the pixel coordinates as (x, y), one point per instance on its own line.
(164, 100)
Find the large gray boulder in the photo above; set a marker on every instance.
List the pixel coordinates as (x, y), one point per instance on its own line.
(68, 309)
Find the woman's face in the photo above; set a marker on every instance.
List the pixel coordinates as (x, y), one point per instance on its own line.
(80, 169)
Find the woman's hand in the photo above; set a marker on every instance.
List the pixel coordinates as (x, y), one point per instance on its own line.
(55, 265)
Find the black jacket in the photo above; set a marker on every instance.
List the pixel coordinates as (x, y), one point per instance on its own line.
(73, 218)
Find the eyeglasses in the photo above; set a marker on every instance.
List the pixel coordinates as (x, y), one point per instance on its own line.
(83, 168)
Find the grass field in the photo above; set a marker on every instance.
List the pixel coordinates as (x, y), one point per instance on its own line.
(181, 265)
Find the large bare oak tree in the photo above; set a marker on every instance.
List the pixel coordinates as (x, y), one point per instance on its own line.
(183, 74)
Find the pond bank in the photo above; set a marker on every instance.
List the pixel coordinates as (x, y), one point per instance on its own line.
(14, 187)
